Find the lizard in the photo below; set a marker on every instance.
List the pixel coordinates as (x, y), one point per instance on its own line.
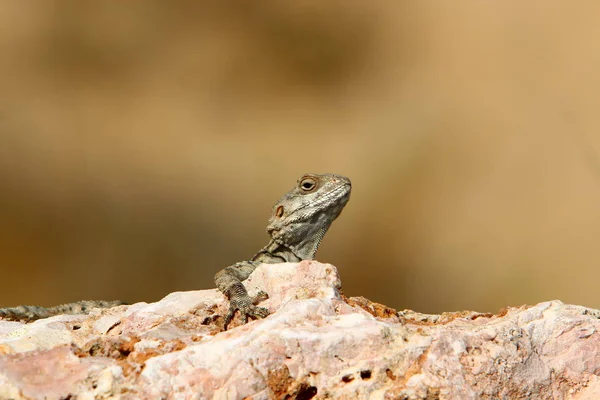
(297, 225)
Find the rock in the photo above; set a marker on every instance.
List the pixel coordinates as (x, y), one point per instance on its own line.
(316, 344)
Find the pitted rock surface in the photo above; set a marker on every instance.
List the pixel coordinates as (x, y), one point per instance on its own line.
(315, 344)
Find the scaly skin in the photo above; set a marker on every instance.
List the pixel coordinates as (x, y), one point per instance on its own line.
(31, 313)
(298, 223)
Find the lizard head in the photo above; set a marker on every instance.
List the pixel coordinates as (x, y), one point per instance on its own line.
(302, 216)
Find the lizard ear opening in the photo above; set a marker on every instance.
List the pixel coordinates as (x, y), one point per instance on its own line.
(279, 212)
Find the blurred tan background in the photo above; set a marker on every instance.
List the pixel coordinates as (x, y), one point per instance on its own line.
(142, 145)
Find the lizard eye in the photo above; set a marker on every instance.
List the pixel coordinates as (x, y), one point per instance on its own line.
(279, 212)
(308, 184)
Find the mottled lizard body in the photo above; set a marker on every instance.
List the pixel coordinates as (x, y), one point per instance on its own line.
(297, 225)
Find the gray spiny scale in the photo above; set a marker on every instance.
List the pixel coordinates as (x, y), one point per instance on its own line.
(299, 221)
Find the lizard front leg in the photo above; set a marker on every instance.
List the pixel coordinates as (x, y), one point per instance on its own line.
(229, 282)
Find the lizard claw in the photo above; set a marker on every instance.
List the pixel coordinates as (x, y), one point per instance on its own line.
(247, 308)
(260, 296)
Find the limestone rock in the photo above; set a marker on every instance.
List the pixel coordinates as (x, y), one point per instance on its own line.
(316, 344)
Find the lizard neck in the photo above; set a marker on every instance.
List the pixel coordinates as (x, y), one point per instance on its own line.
(277, 252)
